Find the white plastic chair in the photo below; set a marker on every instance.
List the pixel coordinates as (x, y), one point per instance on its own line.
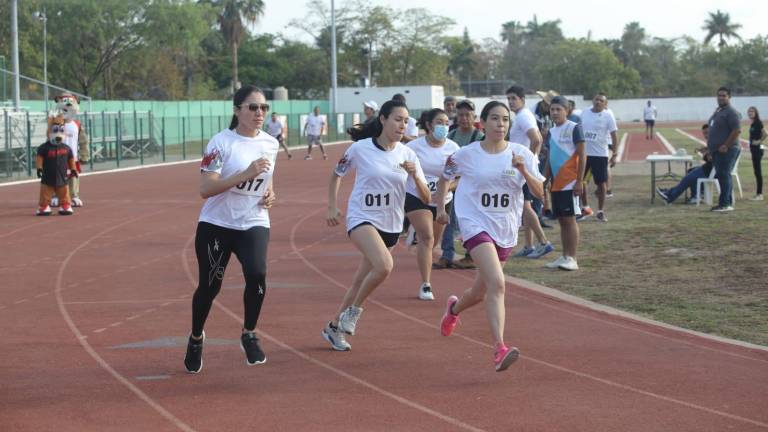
(702, 183)
(703, 186)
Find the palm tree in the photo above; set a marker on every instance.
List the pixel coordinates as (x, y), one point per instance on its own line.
(719, 24)
(234, 16)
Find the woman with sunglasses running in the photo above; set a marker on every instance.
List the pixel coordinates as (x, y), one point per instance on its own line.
(236, 183)
(488, 204)
(383, 165)
(432, 150)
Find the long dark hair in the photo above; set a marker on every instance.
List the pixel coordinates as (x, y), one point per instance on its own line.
(238, 99)
(374, 127)
(491, 105)
(427, 117)
(757, 115)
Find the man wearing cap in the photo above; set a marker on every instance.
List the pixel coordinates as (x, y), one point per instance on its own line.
(369, 109)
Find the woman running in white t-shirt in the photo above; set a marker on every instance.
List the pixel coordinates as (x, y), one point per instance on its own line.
(432, 150)
(383, 164)
(236, 181)
(488, 203)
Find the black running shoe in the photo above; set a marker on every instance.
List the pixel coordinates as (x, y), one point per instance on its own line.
(253, 353)
(193, 361)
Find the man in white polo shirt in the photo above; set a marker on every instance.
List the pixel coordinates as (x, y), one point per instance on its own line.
(649, 115)
(598, 124)
(313, 129)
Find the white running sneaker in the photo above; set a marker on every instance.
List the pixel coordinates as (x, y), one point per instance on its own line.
(410, 239)
(348, 319)
(556, 263)
(425, 292)
(335, 337)
(758, 197)
(55, 202)
(77, 202)
(569, 264)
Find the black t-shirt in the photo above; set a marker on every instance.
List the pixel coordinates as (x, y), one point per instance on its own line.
(756, 131)
(56, 159)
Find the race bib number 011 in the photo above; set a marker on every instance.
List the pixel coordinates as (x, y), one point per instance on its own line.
(495, 202)
(252, 187)
(377, 200)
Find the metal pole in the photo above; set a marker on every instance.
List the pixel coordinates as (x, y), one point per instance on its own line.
(30, 159)
(333, 57)
(15, 54)
(45, 58)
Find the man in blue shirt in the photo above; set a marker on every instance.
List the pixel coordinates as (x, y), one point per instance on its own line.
(723, 145)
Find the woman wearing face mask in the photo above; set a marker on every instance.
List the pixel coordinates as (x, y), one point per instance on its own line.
(432, 150)
(489, 205)
(383, 165)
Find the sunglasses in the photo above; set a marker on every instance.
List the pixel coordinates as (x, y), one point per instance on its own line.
(256, 106)
(57, 129)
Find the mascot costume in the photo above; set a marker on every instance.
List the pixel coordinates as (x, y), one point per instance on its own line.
(67, 106)
(55, 167)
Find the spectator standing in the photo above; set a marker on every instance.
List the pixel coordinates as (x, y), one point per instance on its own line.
(313, 129)
(649, 115)
(757, 136)
(723, 145)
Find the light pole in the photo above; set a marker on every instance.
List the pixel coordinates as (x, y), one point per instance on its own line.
(44, 18)
(15, 54)
(333, 58)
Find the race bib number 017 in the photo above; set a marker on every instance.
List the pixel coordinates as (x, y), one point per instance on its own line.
(252, 187)
(377, 200)
(495, 202)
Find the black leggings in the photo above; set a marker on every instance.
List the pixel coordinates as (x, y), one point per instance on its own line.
(213, 247)
(757, 155)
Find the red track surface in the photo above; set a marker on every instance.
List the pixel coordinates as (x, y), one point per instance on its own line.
(637, 147)
(122, 270)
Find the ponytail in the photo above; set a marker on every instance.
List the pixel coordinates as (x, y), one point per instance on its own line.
(373, 128)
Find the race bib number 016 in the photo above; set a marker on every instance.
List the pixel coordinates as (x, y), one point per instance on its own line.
(377, 200)
(495, 202)
(252, 187)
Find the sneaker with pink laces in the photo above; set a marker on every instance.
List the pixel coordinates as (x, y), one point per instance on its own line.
(505, 357)
(449, 321)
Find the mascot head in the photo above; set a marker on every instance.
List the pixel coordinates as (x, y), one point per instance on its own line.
(56, 129)
(67, 106)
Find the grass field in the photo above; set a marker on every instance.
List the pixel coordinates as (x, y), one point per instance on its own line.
(679, 264)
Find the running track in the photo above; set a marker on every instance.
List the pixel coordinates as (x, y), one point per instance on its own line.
(637, 147)
(95, 309)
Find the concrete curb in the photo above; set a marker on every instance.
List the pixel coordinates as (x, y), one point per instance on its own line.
(568, 298)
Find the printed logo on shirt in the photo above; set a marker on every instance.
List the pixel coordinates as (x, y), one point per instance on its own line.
(343, 165)
(450, 167)
(211, 161)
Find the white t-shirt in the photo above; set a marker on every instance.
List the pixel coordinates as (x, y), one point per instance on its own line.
(411, 129)
(227, 154)
(597, 129)
(649, 112)
(524, 121)
(71, 135)
(432, 160)
(378, 196)
(274, 128)
(315, 124)
(490, 194)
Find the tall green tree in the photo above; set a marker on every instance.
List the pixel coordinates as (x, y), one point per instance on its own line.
(233, 17)
(719, 24)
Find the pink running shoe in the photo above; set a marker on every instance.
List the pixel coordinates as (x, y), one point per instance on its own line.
(449, 321)
(505, 357)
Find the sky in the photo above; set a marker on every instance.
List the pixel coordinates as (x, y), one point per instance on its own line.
(606, 19)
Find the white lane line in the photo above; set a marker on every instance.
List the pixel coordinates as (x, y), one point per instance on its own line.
(535, 360)
(100, 330)
(20, 301)
(622, 146)
(90, 350)
(666, 143)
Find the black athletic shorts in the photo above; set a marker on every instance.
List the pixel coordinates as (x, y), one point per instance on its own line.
(565, 203)
(414, 203)
(390, 239)
(598, 166)
(650, 123)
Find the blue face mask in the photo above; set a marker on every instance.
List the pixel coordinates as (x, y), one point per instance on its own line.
(440, 132)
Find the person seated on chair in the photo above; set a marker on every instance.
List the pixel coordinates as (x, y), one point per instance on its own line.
(691, 178)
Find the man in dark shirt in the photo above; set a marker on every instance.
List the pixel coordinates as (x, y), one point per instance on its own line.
(723, 145)
(55, 162)
(691, 179)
